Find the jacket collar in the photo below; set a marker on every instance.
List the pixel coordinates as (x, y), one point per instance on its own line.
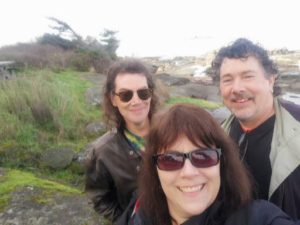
(285, 146)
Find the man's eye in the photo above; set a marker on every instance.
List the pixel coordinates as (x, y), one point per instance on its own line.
(226, 80)
(250, 75)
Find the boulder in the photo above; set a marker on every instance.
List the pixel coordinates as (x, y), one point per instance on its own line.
(95, 128)
(194, 90)
(172, 80)
(58, 158)
(93, 96)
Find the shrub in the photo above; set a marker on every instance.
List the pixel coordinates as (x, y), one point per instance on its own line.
(55, 58)
(81, 62)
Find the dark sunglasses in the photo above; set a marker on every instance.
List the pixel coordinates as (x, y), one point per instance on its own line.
(126, 96)
(200, 158)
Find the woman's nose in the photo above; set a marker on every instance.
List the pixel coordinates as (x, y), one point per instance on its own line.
(135, 98)
(188, 170)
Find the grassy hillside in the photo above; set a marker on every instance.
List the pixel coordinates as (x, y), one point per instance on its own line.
(43, 109)
(40, 110)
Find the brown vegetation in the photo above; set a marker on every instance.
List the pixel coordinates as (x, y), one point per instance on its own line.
(40, 56)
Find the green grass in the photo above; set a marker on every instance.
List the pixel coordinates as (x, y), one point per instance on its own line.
(14, 179)
(44, 108)
(72, 176)
(41, 110)
(199, 102)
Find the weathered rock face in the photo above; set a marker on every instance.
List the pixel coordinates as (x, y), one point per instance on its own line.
(172, 80)
(58, 158)
(32, 205)
(62, 209)
(95, 128)
(194, 90)
(93, 96)
(289, 83)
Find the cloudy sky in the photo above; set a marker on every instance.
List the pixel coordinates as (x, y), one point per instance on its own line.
(159, 27)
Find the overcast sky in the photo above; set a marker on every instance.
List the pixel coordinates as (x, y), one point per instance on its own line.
(159, 27)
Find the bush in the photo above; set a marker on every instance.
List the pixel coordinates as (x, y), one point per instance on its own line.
(81, 62)
(55, 58)
(36, 56)
(101, 65)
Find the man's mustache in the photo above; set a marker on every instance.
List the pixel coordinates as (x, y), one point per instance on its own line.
(240, 95)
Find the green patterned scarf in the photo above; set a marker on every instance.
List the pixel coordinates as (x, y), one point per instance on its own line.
(136, 141)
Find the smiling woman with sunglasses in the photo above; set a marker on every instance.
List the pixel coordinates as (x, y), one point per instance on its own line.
(112, 167)
(192, 175)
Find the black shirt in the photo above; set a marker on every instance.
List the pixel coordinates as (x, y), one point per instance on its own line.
(254, 151)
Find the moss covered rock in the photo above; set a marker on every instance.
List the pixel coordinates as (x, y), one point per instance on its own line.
(27, 199)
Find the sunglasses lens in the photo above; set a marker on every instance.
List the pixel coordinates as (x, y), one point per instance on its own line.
(144, 94)
(125, 96)
(201, 158)
(169, 162)
(204, 158)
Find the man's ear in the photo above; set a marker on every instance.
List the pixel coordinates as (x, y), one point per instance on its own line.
(272, 79)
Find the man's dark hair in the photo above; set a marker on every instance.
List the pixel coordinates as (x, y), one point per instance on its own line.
(242, 48)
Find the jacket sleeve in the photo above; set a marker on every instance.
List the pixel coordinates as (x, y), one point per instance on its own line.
(267, 213)
(101, 190)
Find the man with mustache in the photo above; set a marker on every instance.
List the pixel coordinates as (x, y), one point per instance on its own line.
(266, 128)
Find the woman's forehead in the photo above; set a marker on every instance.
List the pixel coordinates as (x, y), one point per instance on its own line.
(130, 81)
(183, 143)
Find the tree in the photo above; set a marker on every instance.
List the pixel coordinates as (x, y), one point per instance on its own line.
(64, 29)
(56, 40)
(65, 37)
(86, 53)
(110, 42)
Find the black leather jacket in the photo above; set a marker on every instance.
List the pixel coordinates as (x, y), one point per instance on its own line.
(111, 174)
(259, 212)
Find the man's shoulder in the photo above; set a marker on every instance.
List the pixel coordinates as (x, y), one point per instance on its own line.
(292, 108)
(259, 212)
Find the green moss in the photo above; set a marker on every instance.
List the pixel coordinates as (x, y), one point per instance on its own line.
(16, 179)
(67, 176)
(199, 102)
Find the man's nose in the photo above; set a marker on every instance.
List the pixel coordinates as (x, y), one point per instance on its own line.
(237, 85)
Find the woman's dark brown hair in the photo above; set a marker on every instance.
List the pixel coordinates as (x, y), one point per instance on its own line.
(112, 116)
(198, 126)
